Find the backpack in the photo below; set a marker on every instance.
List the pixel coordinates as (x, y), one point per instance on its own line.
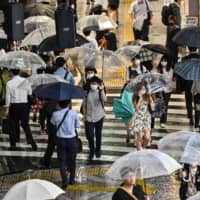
(166, 12)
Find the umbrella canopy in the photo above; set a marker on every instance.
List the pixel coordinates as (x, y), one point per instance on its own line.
(33, 189)
(21, 60)
(189, 36)
(123, 108)
(154, 82)
(157, 48)
(40, 79)
(34, 22)
(59, 91)
(188, 69)
(128, 51)
(146, 163)
(50, 44)
(41, 9)
(184, 146)
(96, 23)
(195, 197)
(37, 36)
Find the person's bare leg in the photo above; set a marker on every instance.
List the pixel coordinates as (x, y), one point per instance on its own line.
(138, 141)
(147, 138)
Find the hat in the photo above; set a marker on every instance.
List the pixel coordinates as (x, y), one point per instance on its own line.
(90, 68)
(96, 79)
(60, 61)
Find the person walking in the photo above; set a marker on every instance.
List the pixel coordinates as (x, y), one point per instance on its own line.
(18, 110)
(196, 95)
(62, 70)
(113, 6)
(93, 115)
(141, 13)
(165, 69)
(129, 190)
(66, 122)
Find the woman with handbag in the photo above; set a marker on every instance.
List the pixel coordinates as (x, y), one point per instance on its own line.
(66, 120)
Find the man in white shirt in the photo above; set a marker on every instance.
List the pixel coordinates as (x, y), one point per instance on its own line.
(18, 109)
(141, 13)
(92, 42)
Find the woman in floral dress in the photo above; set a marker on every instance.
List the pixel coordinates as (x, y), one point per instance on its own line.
(142, 118)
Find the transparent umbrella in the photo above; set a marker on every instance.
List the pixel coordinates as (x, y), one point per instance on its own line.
(96, 23)
(128, 51)
(184, 146)
(40, 79)
(37, 36)
(195, 197)
(33, 189)
(21, 60)
(146, 164)
(154, 82)
(33, 9)
(33, 22)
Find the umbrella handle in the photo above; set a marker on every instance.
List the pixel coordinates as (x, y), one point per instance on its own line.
(102, 74)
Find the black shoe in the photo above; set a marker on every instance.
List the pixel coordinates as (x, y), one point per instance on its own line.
(191, 122)
(64, 186)
(98, 155)
(34, 146)
(12, 148)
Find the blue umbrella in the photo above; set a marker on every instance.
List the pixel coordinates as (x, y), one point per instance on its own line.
(188, 69)
(59, 91)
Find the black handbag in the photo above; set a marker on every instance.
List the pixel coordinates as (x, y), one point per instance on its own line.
(160, 108)
(7, 125)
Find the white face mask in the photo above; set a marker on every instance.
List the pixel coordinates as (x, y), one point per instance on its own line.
(137, 62)
(142, 91)
(93, 87)
(89, 76)
(164, 63)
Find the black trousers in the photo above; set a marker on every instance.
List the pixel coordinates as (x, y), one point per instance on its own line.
(19, 112)
(51, 131)
(197, 110)
(94, 129)
(188, 98)
(144, 33)
(66, 151)
(166, 98)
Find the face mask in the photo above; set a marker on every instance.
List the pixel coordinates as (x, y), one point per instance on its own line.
(193, 171)
(164, 63)
(137, 62)
(93, 87)
(89, 76)
(142, 91)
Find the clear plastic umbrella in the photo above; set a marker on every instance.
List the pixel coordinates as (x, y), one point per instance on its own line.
(146, 164)
(34, 22)
(37, 36)
(154, 82)
(96, 23)
(128, 51)
(40, 79)
(184, 146)
(40, 9)
(3, 34)
(22, 60)
(195, 197)
(33, 189)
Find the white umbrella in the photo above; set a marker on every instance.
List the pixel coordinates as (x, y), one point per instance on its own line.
(146, 163)
(96, 23)
(184, 146)
(21, 60)
(40, 79)
(34, 189)
(195, 197)
(38, 35)
(34, 22)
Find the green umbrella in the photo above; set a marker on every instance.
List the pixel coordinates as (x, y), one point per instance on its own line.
(123, 108)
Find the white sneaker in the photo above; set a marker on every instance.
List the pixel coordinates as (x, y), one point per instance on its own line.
(162, 125)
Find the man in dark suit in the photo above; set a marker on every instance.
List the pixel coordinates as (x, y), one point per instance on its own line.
(187, 85)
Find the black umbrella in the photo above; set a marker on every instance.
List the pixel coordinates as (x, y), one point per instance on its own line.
(59, 91)
(49, 43)
(188, 37)
(157, 48)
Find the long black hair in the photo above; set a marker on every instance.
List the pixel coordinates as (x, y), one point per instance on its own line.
(160, 67)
